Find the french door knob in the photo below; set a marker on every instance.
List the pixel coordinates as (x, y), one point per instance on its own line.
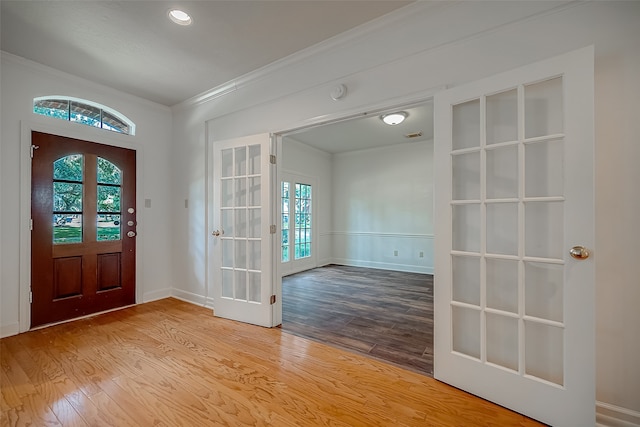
(579, 252)
(216, 233)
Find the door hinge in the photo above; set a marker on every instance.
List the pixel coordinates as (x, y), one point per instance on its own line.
(272, 229)
(273, 299)
(33, 148)
(31, 224)
(272, 159)
(30, 297)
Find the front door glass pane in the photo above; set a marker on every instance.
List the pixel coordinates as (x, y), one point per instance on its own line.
(67, 199)
(109, 192)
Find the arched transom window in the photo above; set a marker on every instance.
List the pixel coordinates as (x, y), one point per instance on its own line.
(85, 112)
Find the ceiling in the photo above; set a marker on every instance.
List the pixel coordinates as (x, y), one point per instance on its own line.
(132, 46)
(368, 131)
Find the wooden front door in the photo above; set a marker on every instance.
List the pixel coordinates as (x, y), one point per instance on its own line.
(84, 223)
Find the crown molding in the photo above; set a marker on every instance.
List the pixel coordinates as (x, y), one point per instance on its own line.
(336, 41)
(410, 11)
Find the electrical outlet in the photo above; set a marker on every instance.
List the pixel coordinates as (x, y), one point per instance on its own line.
(395, 253)
(421, 254)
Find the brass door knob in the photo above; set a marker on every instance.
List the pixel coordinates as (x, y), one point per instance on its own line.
(579, 252)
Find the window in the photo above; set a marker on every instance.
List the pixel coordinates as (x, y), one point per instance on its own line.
(68, 191)
(84, 112)
(298, 209)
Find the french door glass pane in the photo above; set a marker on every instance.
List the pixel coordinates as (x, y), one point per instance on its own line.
(240, 223)
(254, 191)
(226, 163)
(466, 331)
(543, 290)
(502, 172)
(466, 125)
(226, 193)
(543, 108)
(240, 284)
(502, 228)
(253, 254)
(502, 340)
(543, 229)
(549, 180)
(502, 284)
(226, 222)
(544, 351)
(466, 176)
(466, 279)
(254, 160)
(227, 283)
(254, 220)
(502, 118)
(240, 161)
(254, 287)
(466, 227)
(240, 199)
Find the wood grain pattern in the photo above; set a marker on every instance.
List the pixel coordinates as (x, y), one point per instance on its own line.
(384, 314)
(170, 363)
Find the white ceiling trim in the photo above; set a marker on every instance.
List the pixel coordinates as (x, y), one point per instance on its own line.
(342, 39)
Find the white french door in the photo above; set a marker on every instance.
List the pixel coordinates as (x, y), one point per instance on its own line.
(514, 311)
(242, 238)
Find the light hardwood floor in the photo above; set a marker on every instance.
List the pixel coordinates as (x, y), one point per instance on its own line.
(170, 363)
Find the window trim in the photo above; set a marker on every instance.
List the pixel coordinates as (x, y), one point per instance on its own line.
(103, 108)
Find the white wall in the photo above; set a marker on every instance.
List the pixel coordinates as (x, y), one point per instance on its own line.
(425, 47)
(383, 207)
(21, 81)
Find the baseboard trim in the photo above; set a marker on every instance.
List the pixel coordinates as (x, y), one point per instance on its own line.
(9, 330)
(383, 266)
(608, 415)
(190, 297)
(156, 295)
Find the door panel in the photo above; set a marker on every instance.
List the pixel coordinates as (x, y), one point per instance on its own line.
(514, 312)
(242, 245)
(83, 206)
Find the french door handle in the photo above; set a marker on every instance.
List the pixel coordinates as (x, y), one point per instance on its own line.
(217, 233)
(579, 252)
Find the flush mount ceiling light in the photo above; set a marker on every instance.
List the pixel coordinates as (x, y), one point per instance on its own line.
(394, 118)
(180, 17)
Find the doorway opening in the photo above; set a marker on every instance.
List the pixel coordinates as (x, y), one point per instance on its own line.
(370, 289)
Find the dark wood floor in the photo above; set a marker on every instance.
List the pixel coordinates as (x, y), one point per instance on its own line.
(384, 314)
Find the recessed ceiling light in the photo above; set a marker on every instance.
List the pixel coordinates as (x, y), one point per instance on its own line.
(394, 118)
(180, 17)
